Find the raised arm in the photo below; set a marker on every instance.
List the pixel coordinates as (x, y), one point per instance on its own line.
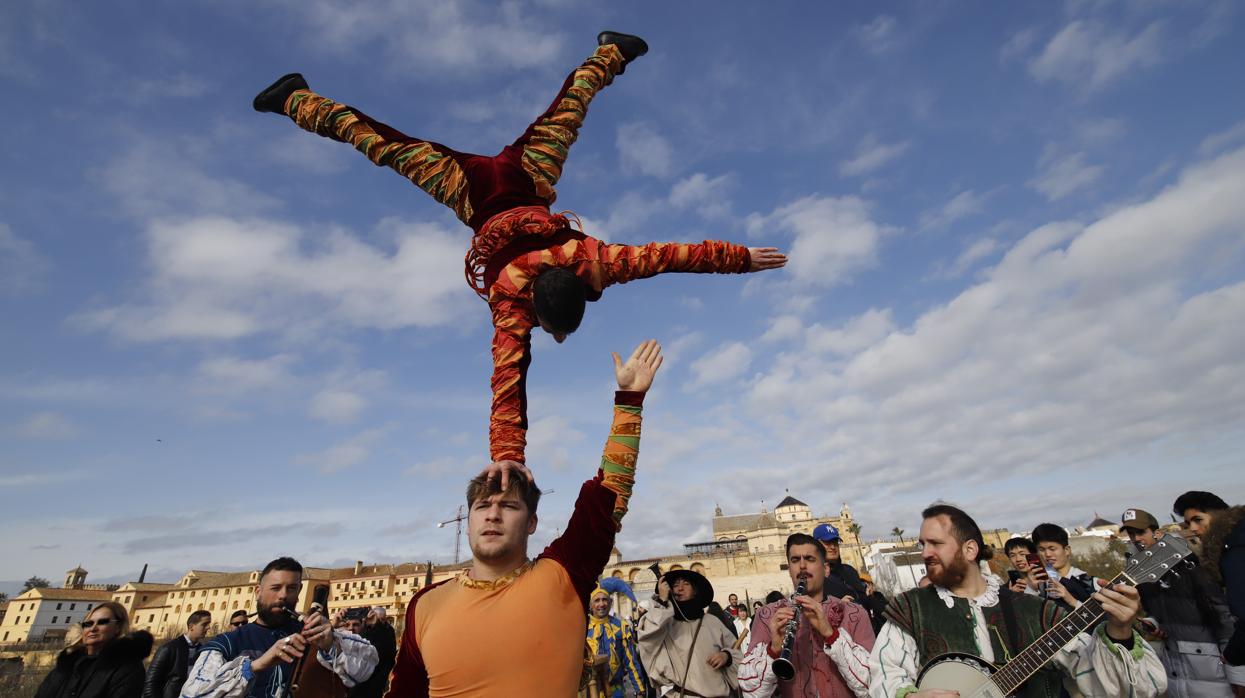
(584, 547)
(623, 263)
(512, 353)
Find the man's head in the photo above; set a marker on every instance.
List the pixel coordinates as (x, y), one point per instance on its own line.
(197, 625)
(1198, 509)
(237, 619)
(280, 583)
(499, 523)
(806, 562)
(1052, 545)
(733, 599)
(354, 624)
(1018, 550)
(829, 538)
(600, 604)
(559, 298)
(951, 545)
(1141, 528)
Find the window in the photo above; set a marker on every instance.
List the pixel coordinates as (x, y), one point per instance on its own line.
(58, 607)
(71, 606)
(88, 606)
(54, 619)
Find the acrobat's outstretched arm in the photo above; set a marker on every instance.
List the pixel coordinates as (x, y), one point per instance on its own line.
(622, 263)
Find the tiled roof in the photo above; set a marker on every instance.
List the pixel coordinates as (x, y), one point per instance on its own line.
(746, 522)
(59, 594)
(790, 501)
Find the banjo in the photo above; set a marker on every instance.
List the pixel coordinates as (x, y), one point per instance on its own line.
(975, 677)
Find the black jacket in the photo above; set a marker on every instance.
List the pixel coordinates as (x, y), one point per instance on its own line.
(117, 672)
(383, 639)
(843, 580)
(168, 670)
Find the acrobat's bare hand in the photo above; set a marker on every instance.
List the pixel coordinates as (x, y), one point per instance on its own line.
(766, 258)
(637, 374)
(503, 469)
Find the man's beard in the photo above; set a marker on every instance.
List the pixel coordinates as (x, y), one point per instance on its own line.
(950, 576)
(274, 618)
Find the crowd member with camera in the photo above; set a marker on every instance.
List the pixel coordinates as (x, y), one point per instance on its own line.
(256, 660)
(685, 649)
(925, 622)
(830, 648)
(539, 604)
(376, 630)
(1019, 551)
(172, 663)
(1069, 585)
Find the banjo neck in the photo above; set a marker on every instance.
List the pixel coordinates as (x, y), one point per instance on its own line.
(1025, 664)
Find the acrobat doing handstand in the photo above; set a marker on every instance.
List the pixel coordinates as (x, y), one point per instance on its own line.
(531, 266)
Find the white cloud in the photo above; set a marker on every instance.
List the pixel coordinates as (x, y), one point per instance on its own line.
(642, 149)
(1083, 343)
(1018, 45)
(222, 278)
(345, 454)
(21, 265)
(233, 375)
(436, 36)
(708, 195)
(722, 364)
(1089, 55)
(337, 406)
(155, 179)
(1060, 175)
(45, 426)
(962, 205)
(834, 237)
(181, 85)
(550, 441)
(1217, 142)
(871, 155)
(878, 36)
(977, 251)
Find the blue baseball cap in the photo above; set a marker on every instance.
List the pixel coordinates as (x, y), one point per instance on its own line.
(826, 532)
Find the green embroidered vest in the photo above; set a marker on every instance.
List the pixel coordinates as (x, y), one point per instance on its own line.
(937, 630)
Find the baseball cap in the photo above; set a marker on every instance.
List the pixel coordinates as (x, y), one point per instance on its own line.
(826, 532)
(1138, 519)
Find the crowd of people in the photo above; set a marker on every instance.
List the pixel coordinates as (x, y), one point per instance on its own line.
(514, 624)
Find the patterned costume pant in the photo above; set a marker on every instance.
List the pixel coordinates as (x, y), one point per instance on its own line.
(476, 187)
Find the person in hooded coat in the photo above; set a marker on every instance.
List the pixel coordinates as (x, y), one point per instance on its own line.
(683, 647)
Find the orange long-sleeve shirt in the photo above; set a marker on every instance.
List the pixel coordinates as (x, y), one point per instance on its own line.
(599, 265)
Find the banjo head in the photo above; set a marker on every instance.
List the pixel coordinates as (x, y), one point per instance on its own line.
(965, 673)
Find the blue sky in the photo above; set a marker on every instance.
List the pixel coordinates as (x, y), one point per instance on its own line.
(1016, 279)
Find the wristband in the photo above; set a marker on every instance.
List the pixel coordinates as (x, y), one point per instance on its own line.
(247, 673)
(831, 638)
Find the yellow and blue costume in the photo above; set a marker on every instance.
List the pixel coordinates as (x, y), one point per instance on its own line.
(615, 639)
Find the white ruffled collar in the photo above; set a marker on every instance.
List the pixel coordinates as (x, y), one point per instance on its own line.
(988, 598)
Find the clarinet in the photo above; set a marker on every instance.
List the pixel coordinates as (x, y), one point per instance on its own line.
(783, 668)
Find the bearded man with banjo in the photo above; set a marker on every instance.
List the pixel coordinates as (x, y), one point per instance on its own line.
(964, 623)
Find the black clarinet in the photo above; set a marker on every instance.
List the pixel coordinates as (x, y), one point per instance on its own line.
(783, 668)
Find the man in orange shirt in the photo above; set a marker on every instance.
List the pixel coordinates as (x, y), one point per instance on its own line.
(531, 265)
(511, 626)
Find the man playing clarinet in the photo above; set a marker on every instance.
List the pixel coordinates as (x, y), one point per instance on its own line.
(831, 646)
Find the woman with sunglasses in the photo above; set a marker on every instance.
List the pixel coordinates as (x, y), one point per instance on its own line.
(105, 662)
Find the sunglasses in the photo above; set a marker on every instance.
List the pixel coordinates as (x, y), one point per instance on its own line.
(88, 624)
(238, 623)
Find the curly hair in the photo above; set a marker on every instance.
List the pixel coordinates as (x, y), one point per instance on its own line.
(1216, 537)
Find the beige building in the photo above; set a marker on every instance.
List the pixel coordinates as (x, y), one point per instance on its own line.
(46, 614)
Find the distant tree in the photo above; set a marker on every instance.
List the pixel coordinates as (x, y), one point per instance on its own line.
(1103, 562)
(35, 583)
(3, 597)
(854, 529)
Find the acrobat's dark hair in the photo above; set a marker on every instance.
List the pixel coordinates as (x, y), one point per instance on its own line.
(559, 298)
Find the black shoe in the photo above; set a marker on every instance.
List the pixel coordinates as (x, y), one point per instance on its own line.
(631, 46)
(273, 98)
